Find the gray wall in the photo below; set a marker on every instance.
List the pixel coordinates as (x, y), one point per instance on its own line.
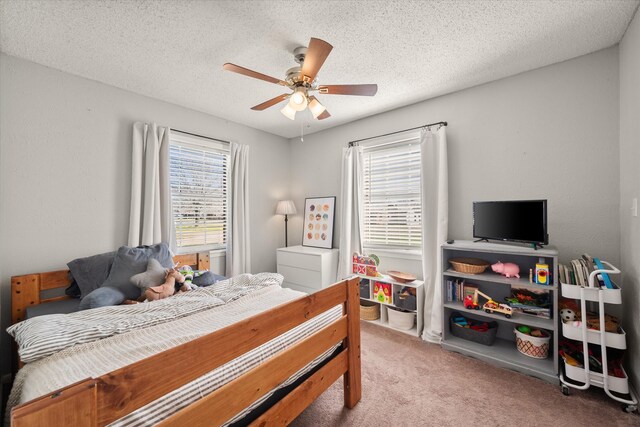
(65, 170)
(549, 133)
(629, 189)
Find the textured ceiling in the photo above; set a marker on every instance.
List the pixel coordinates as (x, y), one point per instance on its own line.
(414, 50)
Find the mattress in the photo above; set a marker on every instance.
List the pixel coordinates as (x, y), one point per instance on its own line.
(93, 359)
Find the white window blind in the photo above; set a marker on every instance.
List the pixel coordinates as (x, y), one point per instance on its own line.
(392, 209)
(198, 179)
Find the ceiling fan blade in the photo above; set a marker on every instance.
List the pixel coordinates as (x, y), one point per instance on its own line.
(317, 53)
(360, 90)
(324, 115)
(250, 73)
(271, 102)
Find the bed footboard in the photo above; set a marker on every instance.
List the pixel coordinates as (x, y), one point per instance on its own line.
(111, 396)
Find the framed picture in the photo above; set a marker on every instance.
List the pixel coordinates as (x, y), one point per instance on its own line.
(319, 219)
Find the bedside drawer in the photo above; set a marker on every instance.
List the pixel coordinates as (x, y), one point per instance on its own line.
(306, 261)
(299, 276)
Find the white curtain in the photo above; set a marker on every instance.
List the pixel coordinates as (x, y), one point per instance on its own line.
(350, 208)
(435, 221)
(150, 219)
(238, 241)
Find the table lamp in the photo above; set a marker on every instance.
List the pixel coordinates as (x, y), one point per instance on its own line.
(285, 207)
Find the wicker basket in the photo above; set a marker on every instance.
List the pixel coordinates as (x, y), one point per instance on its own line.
(369, 310)
(469, 265)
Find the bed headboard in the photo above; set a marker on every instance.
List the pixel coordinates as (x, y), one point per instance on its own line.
(27, 289)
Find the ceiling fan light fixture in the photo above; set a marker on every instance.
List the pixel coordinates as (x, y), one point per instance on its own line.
(298, 99)
(289, 112)
(316, 108)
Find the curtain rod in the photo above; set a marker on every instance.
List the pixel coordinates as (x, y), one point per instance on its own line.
(199, 136)
(352, 143)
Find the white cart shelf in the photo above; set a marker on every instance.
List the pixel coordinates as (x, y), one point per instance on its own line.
(416, 330)
(601, 295)
(503, 352)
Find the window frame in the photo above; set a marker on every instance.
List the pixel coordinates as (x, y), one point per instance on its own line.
(197, 142)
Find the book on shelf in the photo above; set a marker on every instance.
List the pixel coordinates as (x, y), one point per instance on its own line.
(577, 272)
(457, 290)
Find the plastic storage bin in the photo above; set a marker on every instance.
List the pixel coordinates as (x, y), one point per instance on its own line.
(609, 296)
(617, 384)
(612, 340)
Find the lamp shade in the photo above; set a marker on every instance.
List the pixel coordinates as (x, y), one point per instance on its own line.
(289, 112)
(298, 101)
(316, 108)
(285, 207)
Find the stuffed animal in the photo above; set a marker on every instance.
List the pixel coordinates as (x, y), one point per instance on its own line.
(166, 289)
(188, 274)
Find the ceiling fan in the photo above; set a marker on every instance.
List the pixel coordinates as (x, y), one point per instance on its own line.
(302, 82)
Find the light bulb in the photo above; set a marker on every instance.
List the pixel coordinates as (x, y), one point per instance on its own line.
(316, 108)
(289, 112)
(298, 100)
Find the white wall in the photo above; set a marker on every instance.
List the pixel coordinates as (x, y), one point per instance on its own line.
(549, 133)
(65, 170)
(629, 189)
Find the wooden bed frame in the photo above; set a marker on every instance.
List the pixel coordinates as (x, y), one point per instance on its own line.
(100, 401)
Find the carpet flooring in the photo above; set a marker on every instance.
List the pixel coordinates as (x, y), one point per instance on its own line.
(408, 382)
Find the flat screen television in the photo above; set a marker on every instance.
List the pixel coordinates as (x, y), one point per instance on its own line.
(513, 220)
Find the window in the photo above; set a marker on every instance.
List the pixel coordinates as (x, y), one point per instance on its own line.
(392, 208)
(198, 179)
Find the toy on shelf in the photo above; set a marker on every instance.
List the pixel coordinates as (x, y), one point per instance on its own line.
(491, 306)
(473, 330)
(366, 265)
(382, 292)
(542, 274)
(530, 301)
(507, 269)
(571, 314)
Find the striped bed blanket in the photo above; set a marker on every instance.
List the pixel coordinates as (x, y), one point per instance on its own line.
(210, 309)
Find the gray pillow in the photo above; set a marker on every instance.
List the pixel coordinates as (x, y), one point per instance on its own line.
(90, 272)
(154, 275)
(207, 279)
(131, 261)
(102, 297)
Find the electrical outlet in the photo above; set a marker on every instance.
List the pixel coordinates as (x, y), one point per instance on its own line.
(634, 207)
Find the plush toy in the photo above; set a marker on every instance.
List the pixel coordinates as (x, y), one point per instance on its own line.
(567, 315)
(166, 289)
(188, 274)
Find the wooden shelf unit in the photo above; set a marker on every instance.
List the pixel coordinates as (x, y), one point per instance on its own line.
(503, 352)
(384, 318)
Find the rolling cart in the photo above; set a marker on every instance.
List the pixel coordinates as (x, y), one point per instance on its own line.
(610, 384)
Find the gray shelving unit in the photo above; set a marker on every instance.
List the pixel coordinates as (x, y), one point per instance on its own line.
(503, 352)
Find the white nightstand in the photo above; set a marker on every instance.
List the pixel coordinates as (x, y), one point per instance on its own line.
(307, 269)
